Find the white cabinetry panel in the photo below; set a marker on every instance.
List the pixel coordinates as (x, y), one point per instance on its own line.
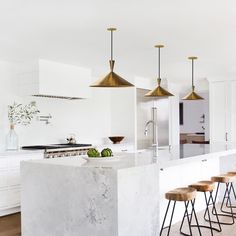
(10, 181)
(223, 111)
(13, 178)
(217, 111)
(3, 179)
(3, 199)
(233, 111)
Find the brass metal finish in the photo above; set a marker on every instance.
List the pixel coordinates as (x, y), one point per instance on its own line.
(193, 58)
(111, 29)
(192, 95)
(159, 92)
(159, 46)
(111, 80)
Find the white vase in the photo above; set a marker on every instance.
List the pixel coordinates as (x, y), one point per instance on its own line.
(12, 139)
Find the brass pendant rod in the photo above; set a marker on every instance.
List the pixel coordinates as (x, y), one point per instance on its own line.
(159, 62)
(192, 72)
(111, 45)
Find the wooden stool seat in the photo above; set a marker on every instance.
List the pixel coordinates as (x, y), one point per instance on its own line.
(181, 194)
(203, 186)
(226, 178)
(232, 173)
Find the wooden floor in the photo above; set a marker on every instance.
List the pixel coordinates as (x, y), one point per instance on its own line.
(10, 226)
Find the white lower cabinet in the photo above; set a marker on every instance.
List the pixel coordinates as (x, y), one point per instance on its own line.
(10, 181)
(181, 176)
(228, 163)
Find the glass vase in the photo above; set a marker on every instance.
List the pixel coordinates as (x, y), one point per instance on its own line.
(12, 139)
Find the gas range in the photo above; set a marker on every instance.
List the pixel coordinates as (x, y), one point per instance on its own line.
(61, 150)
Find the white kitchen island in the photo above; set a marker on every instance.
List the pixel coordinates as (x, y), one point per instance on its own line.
(124, 197)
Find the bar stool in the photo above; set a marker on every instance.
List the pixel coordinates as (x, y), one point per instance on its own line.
(226, 179)
(231, 189)
(186, 195)
(205, 187)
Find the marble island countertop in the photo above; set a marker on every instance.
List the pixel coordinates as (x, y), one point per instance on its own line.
(166, 157)
(103, 198)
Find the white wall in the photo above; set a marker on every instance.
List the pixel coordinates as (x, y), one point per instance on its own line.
(193, 110)
(89, 119)
(122, 105)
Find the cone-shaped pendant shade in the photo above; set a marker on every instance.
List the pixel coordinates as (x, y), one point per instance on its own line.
(192, 95)
(159, 92)
(111, 80)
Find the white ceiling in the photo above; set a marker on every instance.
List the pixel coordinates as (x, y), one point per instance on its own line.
(74, 31)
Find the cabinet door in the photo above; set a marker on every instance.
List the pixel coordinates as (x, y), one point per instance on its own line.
(218, 111)
(13, 199)
(13, 178)
(3, 199)
(232, 128)
(3, 179)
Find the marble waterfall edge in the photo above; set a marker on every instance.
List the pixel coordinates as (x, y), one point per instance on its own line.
(72, 200)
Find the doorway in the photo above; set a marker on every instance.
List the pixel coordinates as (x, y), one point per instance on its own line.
(194, 120)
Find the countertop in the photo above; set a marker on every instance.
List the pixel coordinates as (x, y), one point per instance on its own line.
(177, 155)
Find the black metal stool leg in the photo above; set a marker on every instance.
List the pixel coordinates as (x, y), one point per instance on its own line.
(195, 215)
(233, 191)
(216, 214)
(171, 218)
(189, 219)
(227, 196)
(186, 214)
(189, 223)
(207, 211)
(163, 224)
(229, 214)
(182, 222)
(209, 216)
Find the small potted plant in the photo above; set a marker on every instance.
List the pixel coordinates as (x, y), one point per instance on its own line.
(19, 114)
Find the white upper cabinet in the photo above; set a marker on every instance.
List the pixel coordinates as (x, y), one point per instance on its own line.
(53, 79)
(223, 111)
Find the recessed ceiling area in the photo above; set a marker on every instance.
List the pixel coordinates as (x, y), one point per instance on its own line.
(74, 31)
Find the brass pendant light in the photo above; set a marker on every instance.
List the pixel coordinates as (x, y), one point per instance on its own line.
(111, 80)
(159, 92)
(192, 95)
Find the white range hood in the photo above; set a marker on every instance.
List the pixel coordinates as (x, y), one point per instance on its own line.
(56, 80)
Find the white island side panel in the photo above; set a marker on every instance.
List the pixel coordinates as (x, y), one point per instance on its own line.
(64, 200)
(138, 201)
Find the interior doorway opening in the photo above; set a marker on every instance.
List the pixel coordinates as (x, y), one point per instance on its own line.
(194, 120)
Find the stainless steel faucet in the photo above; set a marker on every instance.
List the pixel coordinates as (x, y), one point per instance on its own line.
(146, 126)
(153, 121)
